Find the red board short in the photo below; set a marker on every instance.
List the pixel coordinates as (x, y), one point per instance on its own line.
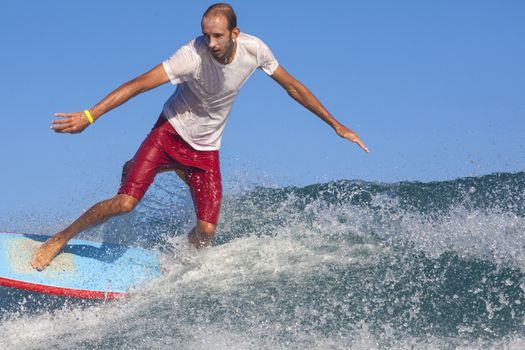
(164, 149)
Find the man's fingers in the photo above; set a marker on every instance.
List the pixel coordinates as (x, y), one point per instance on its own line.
(352, 136)
(64, 114)
(61, 121)
(60, 128)
(70, 130)
(68, 123)
(362, 145)
(61, 124)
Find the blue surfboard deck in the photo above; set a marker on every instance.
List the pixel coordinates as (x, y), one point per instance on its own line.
(84, 269)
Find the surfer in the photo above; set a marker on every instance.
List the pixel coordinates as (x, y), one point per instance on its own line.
(208, 72)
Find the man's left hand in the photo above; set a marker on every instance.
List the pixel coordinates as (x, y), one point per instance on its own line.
(350, 135)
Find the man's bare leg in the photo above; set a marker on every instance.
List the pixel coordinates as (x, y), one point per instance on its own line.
(202, 234)
(97, 214)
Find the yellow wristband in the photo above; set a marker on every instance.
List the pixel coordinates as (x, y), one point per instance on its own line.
(89, 116)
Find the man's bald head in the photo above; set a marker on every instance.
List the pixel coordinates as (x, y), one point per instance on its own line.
(222, 9)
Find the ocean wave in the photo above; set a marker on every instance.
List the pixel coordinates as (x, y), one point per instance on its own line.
(347, 264)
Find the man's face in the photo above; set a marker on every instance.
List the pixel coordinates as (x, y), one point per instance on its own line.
(217, 36)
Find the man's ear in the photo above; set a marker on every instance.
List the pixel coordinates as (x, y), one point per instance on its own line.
(235, 32)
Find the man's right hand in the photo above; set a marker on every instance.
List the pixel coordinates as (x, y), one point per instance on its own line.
(71, 123)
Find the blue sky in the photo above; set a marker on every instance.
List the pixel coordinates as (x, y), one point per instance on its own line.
(436, 89)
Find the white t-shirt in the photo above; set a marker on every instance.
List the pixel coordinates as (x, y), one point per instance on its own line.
(206, 89)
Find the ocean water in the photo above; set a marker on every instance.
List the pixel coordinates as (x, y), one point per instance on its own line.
(340, 265)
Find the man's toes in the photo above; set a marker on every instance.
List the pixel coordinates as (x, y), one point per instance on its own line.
(36, 265)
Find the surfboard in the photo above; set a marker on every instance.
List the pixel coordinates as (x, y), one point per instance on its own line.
(84, 269)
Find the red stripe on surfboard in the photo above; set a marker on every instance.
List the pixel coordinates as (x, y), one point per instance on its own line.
(67, 292)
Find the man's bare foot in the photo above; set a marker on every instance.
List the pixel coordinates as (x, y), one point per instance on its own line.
(47, 252)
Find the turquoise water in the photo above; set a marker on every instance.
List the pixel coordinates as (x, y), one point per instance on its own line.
(329, 266)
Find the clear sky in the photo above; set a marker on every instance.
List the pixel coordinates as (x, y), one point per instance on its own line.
(436, 89)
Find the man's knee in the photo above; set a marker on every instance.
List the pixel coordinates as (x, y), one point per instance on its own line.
(205, 228)
(202, 234)
(125, 203)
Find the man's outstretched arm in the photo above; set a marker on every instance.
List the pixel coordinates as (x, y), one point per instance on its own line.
(76, 122)
(301, 94)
